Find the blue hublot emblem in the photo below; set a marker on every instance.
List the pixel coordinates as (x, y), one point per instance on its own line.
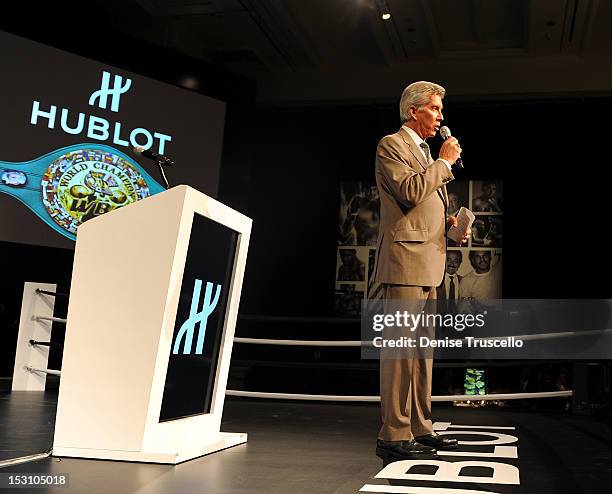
(195, 317)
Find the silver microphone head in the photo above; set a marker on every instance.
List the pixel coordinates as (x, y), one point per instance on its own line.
(445, 132)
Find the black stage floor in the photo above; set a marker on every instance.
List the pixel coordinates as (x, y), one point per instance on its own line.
(298, 447)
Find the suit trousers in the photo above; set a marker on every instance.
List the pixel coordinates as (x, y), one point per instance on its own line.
(405, 382)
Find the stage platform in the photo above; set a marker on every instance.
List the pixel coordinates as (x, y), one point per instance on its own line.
(306, 447)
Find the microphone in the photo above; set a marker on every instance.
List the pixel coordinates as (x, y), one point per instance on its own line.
(160, 158)
(446, 133)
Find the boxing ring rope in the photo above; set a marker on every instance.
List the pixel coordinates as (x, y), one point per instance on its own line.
(39, 343)
(323, 343)
(52, 319)
(357, 398)
(44, 371)
(358, 343)
(53, 294)
(46, 343)
(439, 398)
(337, 344)
(25, 459)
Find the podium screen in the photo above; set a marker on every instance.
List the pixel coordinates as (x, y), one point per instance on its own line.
(200, 320)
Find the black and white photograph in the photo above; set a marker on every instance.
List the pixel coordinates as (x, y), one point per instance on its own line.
(348, 299)
(351, 263)
(458, 196)
(449, 291)
(487, 231)
(487, 196)
(481, 279)
(359, 214)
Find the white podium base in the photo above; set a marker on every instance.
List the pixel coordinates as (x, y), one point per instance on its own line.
(224, 440)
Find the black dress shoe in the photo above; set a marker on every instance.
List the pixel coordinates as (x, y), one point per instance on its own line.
(436, 441)
(404, 450)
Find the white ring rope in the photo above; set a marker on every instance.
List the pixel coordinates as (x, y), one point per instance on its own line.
(487, 397)
(54, 319)
(264, 341)
(11, 462)
(44, 371)
(358, 343)
(357, 398)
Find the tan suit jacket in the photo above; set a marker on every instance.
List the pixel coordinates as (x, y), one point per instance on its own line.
(411, 247)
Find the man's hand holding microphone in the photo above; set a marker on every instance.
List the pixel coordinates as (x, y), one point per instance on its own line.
(451, 150)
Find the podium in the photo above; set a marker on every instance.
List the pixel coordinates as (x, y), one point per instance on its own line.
(153, 304)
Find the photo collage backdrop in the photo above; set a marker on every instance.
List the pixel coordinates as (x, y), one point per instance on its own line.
(473, 271)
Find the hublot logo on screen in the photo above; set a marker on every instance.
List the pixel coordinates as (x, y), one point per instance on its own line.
(96, 127)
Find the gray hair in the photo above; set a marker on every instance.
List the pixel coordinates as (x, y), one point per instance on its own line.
(418, 94)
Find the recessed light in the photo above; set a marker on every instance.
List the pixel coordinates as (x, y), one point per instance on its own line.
(386, 16)
(190, 82)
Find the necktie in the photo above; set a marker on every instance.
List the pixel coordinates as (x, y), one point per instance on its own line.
(452, 303)
(425, 148)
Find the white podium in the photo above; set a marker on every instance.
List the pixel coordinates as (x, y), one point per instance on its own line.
(153, 304)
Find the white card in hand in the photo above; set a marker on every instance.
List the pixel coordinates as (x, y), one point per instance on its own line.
(465, 218)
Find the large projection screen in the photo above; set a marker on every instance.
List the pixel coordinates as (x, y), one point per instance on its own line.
(68, 126)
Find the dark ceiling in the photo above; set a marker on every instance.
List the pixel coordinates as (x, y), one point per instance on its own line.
(342, 50)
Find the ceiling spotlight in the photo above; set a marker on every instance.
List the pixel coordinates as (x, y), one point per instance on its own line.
(386, 16)
(189, 81)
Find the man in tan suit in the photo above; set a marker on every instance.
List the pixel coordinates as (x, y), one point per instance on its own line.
(411, 258)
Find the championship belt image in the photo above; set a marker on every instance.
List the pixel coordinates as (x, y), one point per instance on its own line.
(76, 183)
